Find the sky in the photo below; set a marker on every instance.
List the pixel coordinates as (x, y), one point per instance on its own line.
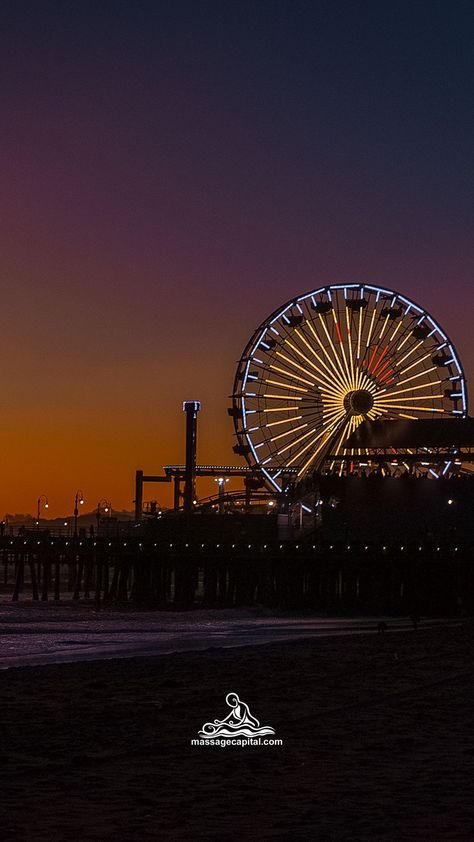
(172, 172)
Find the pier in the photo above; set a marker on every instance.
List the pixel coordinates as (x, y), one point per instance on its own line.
(190, 573)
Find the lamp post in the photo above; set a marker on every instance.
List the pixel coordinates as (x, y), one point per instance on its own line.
(221, 481)
(78, 500)
(45, 504)
(107, 509)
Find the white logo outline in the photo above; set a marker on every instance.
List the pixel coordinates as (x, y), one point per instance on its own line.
(238, 723)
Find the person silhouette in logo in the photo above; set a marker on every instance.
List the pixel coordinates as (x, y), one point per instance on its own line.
(239, 715)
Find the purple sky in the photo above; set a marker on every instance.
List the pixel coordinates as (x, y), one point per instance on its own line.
(172, 172)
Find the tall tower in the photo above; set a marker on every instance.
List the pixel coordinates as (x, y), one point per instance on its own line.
(191, 408)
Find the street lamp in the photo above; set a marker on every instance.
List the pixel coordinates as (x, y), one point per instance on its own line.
(78, 500)
(107, 509)
(45, 505)
(221, 481)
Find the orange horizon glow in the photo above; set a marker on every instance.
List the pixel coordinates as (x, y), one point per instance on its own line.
(94, 431)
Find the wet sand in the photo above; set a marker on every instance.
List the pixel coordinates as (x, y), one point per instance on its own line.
(377, 744)
(34, 634)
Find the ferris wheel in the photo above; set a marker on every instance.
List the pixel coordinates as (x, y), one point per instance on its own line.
(330, 359)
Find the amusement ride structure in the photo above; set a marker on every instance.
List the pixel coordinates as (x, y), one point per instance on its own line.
(328, 361)
(350, 410)
(347, 379)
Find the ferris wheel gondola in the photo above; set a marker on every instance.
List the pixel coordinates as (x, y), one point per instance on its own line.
(330, 359)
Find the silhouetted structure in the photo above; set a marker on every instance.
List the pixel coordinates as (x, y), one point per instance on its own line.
(191, 409)
(161, 571)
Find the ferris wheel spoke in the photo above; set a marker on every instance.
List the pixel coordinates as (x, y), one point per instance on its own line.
(414, 408)
(337, 359)
(392, 393)
(288, 432)
(416, 376)
(415, 363)
(399, 362)
(391, 348)
(313, 456)
(336, 367)
(296, 441)
(418, 398)
(338, 446)
(364, 383)
(341, 347)
(331, 416)
(270, 397)
(322, 376)
(325, 434)
(384, 326)
(352, 424)
(279, 409)
(410, 352)
(359, 332)
(405, 340)
(385, 372)
(373, 327)
(405, 336)
(398, 414)
(291, 376)
(349, 345)
(379, 362)
(315, 419)
(295, 364)
(336, 371)
(285, 386)
(430, 382)
(398, 325)
(333, 412)
(326, 385)
(284, 421)
(300, 334)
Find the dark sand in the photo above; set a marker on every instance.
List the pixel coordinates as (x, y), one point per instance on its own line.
(377, 731)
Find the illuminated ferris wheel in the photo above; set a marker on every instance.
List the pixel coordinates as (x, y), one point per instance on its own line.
(330, 359)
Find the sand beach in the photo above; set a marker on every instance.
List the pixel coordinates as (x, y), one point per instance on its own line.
(376, 731)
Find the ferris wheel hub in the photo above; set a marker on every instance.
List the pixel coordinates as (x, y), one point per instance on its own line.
(358, 402)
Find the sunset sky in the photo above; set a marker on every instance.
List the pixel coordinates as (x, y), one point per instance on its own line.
(174, 171)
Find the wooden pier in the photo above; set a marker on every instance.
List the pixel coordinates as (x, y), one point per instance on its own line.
(184, 574)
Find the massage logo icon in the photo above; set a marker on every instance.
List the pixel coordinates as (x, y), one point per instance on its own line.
(238, 723)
